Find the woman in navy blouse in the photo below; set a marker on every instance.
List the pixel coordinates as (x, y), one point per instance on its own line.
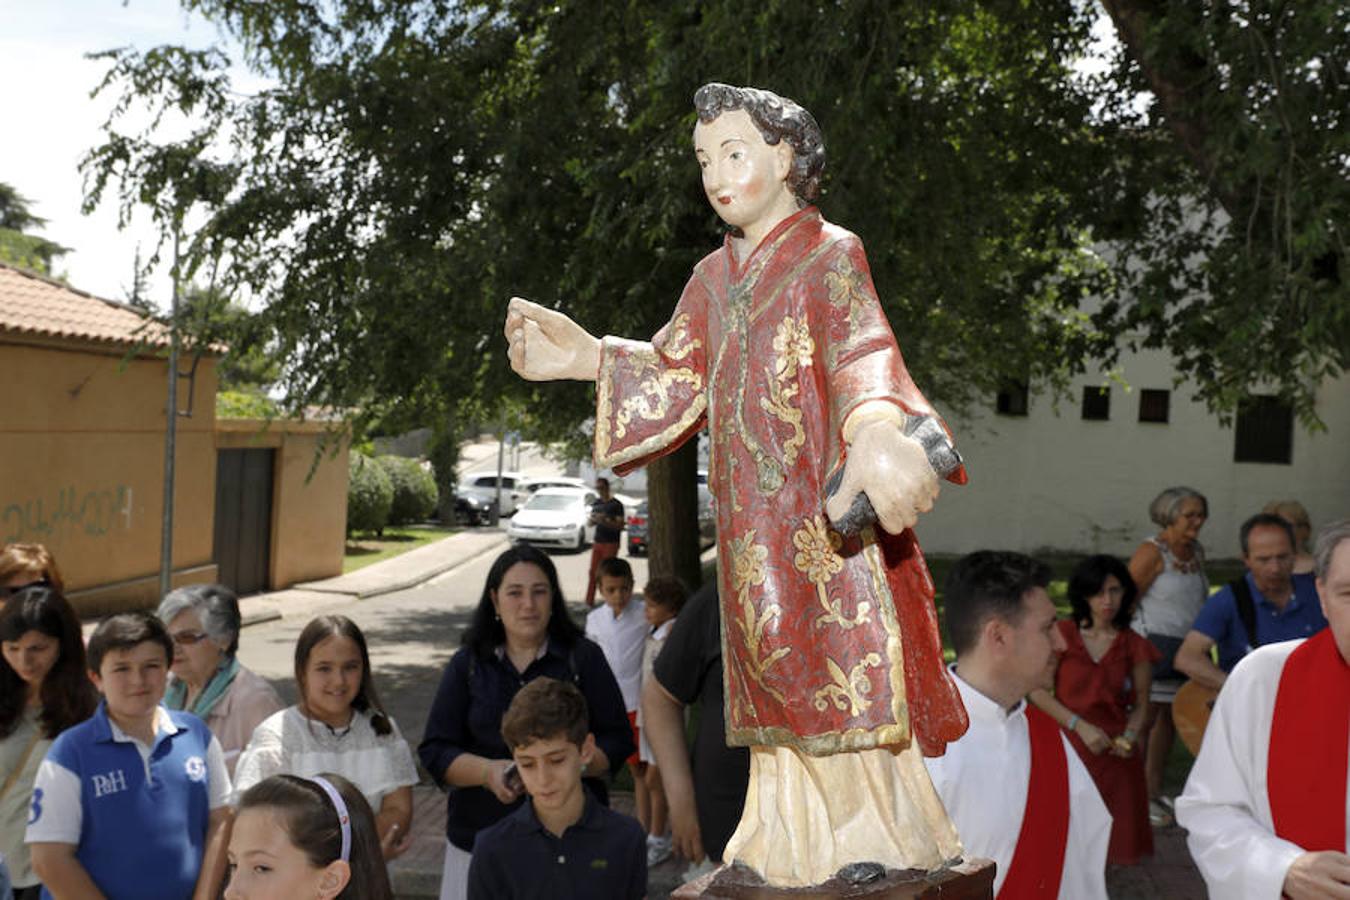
(520, 631)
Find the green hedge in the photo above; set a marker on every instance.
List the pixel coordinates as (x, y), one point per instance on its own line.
(370, 494)
(414, 490)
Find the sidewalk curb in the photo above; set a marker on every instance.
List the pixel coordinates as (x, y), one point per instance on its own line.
(261, 610)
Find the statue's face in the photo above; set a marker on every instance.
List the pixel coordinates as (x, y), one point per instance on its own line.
(745, 178)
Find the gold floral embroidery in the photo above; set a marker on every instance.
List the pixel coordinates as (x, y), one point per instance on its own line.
(793, 348)
(747, 570)
(651, 400)
(818, 557)
(678, 344)
(848, 691)
(845, 284)
(816, 554)
(793, 345)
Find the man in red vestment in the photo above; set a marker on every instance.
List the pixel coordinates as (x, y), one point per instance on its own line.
(1266, 804)
(779, 344)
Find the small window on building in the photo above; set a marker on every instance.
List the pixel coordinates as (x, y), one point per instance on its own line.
(1012, 399)
(1264, 431)
(1155, 406)
(1096, 403)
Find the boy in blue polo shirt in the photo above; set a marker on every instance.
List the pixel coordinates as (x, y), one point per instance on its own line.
(133, 802)
(562, 844)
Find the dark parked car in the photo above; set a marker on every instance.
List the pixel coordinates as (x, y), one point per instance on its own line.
(637, 531)
(471, 509)
(638, 522)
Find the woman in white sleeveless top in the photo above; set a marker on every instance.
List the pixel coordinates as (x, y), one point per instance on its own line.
(1169, 570)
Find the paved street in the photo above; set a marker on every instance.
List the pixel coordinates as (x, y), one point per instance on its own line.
(411, 633)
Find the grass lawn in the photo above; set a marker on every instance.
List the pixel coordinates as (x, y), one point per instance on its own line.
(362, 550)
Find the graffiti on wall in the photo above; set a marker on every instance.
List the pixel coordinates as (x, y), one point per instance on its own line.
(67, 513)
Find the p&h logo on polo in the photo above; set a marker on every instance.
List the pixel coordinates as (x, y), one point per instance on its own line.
(111, 783)
(195, 768)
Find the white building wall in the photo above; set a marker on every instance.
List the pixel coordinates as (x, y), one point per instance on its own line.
(1052, 481)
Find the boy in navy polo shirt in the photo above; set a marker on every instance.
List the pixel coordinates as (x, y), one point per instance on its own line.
(133, 802)
(562, 844)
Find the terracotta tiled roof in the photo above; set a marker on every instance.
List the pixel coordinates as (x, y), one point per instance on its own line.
(33, 305)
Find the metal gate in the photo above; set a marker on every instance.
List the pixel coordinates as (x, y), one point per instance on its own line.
(243, 537)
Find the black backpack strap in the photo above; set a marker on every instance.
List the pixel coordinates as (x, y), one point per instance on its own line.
(1246, 608)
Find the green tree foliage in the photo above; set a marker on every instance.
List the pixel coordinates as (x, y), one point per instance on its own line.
(17, 246)
(415, 491)
(370, 494)
(245, 404)
(1244, 249)
(417, 163)
(414, 164)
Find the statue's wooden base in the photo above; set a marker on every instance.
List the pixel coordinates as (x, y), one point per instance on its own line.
(970, 880)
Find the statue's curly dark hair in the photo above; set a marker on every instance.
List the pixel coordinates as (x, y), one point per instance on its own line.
(777, 118)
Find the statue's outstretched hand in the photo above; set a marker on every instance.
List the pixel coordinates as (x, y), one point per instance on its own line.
(544, 345)
(893, 470)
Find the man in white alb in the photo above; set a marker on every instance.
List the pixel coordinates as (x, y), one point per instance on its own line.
(1013, 786)
(1266, 804)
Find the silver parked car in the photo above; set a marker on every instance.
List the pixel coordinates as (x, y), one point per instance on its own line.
(484, 486)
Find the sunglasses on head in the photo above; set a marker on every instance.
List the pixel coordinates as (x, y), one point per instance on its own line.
(7, 592)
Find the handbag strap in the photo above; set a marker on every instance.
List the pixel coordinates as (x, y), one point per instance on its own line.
(23, 761)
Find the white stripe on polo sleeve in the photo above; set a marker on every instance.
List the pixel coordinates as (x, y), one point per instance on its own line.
(55, 812)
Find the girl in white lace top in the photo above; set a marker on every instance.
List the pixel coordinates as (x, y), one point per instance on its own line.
(338, 726)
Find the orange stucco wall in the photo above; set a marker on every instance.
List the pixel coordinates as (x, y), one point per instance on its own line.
(309, 496)
(82, 471)
(81, 467)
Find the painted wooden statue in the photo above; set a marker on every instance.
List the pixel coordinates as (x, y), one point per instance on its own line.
(834, 669)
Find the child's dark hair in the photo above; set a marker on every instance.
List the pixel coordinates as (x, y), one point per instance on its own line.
(615, 567)
(366, 699)
(544, 709)
(667, 591)
(311, 823)
(124, 631)
(67, 696)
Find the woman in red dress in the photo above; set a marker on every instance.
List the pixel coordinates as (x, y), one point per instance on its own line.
(1101, 697)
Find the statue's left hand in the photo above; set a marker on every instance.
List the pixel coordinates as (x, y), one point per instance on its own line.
(893, 469)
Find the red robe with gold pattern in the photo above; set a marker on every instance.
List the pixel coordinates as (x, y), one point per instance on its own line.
(828, 644)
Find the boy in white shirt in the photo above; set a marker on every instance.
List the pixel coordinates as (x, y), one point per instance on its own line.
(619, 626)
(663, 598)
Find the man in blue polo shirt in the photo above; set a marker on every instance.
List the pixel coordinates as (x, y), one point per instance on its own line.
(133, 802)
(1278, 606)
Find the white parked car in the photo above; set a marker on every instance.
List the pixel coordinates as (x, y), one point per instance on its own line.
(536, 483)
(555, 516)
(484, 486)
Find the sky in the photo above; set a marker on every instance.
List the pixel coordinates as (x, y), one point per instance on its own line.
(50, 121)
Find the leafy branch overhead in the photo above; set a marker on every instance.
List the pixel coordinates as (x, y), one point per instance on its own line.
(406, 167)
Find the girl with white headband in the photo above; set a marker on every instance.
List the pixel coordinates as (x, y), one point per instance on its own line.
(306, 839)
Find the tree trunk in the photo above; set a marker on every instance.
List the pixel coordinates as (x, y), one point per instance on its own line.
(672, 515)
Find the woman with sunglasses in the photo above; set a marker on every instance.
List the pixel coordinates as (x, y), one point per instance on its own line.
(208, 681)
(27, 565)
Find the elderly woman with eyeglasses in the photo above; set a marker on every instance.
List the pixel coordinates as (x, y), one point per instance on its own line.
(208, 681)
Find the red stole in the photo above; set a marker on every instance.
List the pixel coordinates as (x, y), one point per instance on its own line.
(1038, 862)
(1309, 742)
